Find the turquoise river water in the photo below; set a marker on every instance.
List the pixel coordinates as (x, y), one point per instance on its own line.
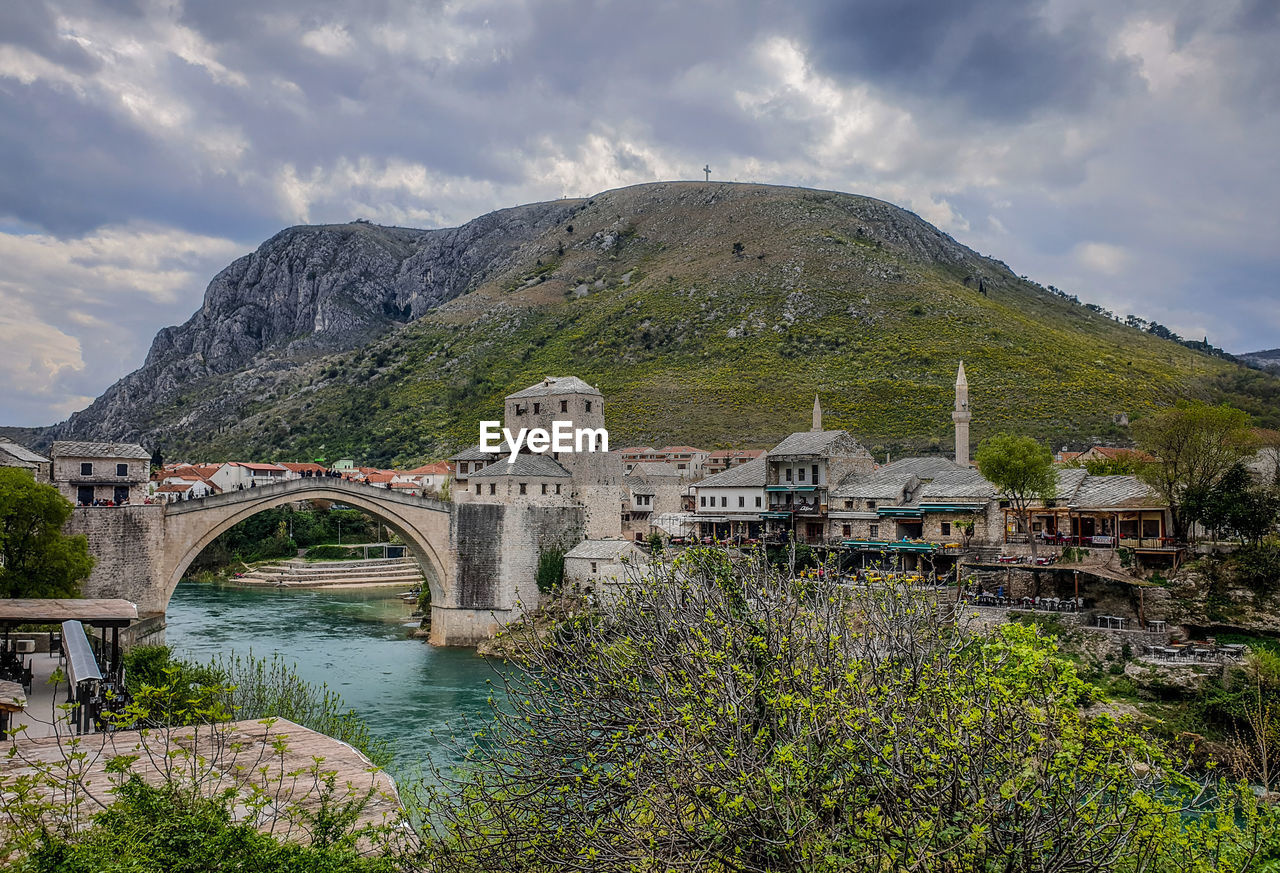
(357, 643)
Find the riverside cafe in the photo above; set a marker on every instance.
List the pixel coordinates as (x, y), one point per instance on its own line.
(91, 660)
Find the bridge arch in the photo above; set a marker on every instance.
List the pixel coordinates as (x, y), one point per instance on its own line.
(423, 523)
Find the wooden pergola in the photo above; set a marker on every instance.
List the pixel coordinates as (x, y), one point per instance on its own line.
(104, 614)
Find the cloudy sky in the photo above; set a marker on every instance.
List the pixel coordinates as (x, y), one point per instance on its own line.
(1123, 152)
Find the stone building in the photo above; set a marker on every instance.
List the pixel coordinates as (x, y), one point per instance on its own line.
(14, 455)
(595, 478)
(115, 473)
(800, 471)
(531, 480)
(650, 491)
(602, 566)
(729, 503)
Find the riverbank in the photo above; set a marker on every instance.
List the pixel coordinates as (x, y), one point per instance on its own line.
(401, 573)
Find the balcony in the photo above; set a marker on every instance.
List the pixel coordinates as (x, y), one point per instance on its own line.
(811, 506)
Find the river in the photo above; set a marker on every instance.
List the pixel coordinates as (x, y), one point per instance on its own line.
(356, 642)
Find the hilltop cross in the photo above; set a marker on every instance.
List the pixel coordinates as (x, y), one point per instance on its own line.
(707, 169)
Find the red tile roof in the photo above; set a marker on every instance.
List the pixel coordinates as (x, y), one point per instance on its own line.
(439, 467)
(303, 468)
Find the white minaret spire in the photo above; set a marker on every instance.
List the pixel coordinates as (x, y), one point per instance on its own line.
(817, 416)
(961, 417)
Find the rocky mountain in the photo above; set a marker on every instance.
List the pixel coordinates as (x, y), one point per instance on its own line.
(311, 290)
(1267, 359)
(709, 313)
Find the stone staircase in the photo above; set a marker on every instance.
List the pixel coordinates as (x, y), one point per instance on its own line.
(297, 573)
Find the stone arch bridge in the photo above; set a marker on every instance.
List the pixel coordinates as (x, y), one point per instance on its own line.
(479, 560)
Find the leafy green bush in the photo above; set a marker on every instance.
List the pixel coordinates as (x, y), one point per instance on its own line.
(158, 829)
(711, 719)
(550, 574)
(332, 553)
(179, 692)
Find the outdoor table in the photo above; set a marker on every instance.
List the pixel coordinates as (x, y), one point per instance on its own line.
(12, 700)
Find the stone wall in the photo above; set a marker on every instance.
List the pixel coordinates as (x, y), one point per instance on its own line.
(127, 543)
(497, 548)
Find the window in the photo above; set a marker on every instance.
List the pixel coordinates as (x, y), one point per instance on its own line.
(946, 528)
(873, 530)
(788, 474)
(593, 566)
(520, 410)
(477, 487)
(815, 474)
(493, 487)
(742, 501)
(544, 487)
(703, 498)
(848, 504)
(724, 501)
(557, 489)
(871, 504)
(537, 407)
(522, 488)
(462, 468)
(588, 406)
(757, 501)
(122, 469)
(84, 495)
(800, 475)
(681, 466)
(847, 530)
(564, 405)
(86, 469)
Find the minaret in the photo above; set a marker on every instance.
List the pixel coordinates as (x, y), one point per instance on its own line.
(962, 417)
(817, 416)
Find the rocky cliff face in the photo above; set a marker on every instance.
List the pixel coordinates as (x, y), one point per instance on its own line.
(312, 290)
(709, 313)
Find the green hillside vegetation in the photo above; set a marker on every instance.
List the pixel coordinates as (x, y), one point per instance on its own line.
(713, 320)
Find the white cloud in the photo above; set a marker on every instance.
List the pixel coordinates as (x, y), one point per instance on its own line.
(76, 314)
(1103, 258)
(332, 40)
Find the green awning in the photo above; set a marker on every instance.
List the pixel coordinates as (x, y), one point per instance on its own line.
(890, 546)
(900, 512)
(781, 515)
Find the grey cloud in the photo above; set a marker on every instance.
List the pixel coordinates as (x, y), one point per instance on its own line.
(999, 59)
(969, 105)
(31, 24)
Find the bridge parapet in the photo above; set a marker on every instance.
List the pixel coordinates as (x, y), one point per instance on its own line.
(313, 484)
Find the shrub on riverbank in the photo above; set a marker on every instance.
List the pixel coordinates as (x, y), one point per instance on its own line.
(726, 716)
(163, 828)
(181, 692)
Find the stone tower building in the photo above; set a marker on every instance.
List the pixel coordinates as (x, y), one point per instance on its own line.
(962, 417)
(596, 476)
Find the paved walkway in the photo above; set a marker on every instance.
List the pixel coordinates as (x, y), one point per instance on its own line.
(42, 702)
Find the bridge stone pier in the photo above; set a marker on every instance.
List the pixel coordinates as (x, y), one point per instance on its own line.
(479, 560)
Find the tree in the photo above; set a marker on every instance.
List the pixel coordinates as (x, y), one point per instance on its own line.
(1022, 469)
(1234, 503)
(1194, 445)
(36, 560)
(720, 715)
